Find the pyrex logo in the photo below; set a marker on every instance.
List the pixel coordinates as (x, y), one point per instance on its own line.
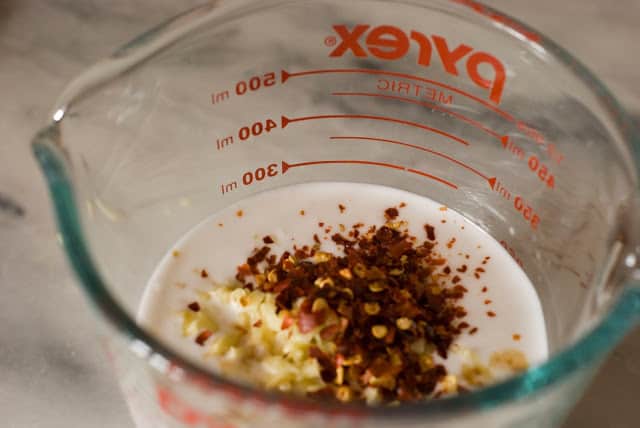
(391, 43)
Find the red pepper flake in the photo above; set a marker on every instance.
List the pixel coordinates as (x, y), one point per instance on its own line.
(287, 322)
(455, 279)
(220, 225)
(451, 242)
(257, 323)
(473, 331)
(476, 275)
(443, 221)
(484, 289)
(329, 332)
(342, 208)
(194, 306)
(239, 213)
(446, 270)
(204, 273)
(327, 229)
(488, 302)
(516, 337)
(491, 314)
(203, 336)
(391, 213)
(321, 224)
(402, 205)
(302, 212)
(443, 208)
(175, 253)
(462, 269)
(316, 239)
(431, 233)
(382, 292)
(268, 240)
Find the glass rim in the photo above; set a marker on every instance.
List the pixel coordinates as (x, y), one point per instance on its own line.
(583, 352)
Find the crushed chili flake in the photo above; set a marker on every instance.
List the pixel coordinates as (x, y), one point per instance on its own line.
(321, 224)
(491, 314)
(175, 253)
(484, 289)
(516, 337)
(391, 213)
(204, 273)
(302, 212)
(385, 292)
(487, 302)
(220, 225)
(268, 240)
(342, 208)
(462, 269)
(473, 331)
(402, 204)
(431, 234)
(451, 242)
(194, 306)
(203, 336)
(239, 213)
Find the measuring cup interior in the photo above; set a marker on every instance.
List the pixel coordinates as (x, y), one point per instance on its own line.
(475, 112)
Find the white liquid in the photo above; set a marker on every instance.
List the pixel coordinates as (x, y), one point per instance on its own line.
(223, 241)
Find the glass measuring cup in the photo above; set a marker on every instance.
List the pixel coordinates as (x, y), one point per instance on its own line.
(447, 99)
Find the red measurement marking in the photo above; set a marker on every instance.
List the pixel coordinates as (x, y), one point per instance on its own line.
(425, 104)
(286, 76)
(424, 149)
(286, 121)
(287, 166)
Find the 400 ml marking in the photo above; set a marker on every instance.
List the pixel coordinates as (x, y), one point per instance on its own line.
(247, 132)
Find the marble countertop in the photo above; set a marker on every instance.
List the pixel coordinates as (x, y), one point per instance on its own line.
(52, 373)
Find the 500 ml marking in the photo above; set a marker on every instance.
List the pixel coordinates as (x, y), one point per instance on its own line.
(252, 176)
(246, 132)
(534, 163)
(243, 87)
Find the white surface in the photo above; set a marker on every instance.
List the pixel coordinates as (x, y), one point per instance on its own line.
(277, 213)
(52, 373)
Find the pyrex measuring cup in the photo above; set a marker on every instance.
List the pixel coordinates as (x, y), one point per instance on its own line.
(447, 99)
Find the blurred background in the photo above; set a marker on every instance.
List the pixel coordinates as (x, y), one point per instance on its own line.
(52, 373)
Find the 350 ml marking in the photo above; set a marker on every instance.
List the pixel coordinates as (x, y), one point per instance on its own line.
(525, 209)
